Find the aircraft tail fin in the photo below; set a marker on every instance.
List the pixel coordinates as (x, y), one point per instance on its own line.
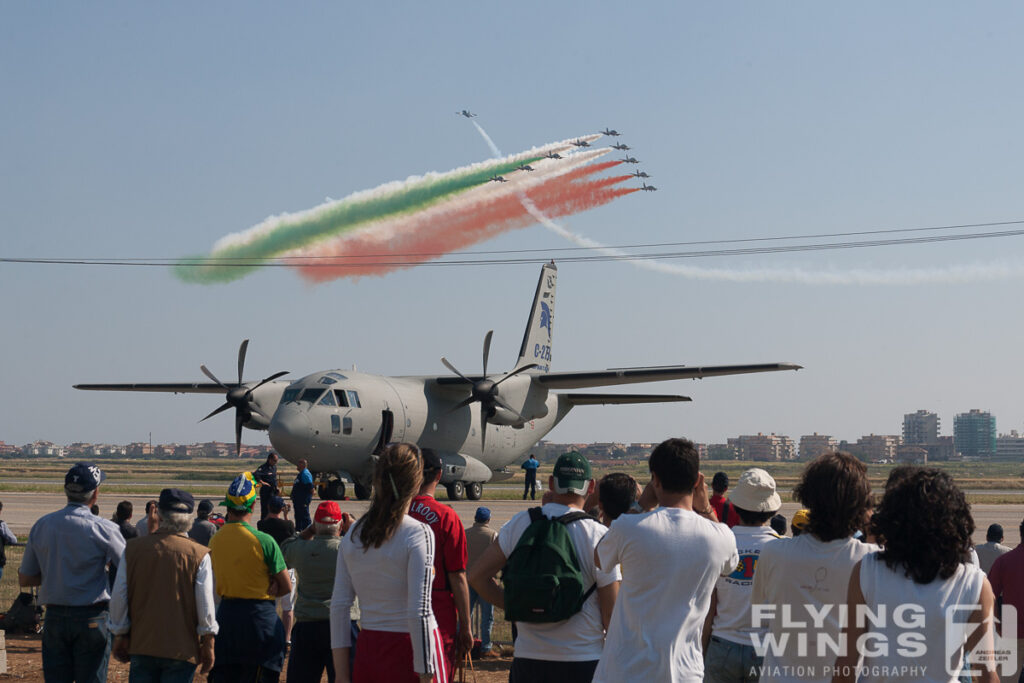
(536, 346)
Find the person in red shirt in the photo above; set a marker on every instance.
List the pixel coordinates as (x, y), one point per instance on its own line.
(719, 485)
(450, 597)
(1007, 579)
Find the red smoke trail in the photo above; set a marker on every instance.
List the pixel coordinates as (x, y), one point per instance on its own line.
(421, 238)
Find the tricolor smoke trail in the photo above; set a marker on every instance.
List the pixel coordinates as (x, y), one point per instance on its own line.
(400, 224)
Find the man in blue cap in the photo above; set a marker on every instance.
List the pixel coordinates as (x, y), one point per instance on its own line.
(478, 537)
(67, 555)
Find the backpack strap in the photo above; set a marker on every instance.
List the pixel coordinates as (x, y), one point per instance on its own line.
(726, 509)
(567, 519)
(536, 515)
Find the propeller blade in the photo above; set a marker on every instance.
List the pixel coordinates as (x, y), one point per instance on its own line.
(515, 372)
(463, 404)
(268, 379)
(453, 369)
(219, 410)
(241, 358)
(498, 401)
(487, 348)
(212, 376)
(238, 434)
(483, 429)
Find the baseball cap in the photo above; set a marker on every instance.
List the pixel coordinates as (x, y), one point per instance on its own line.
(327, 512)
(241, 493)
(572, 473)
(431, 460)
(206, 505)
(82, 477)
(276, 504)
(176, 500)
(801, 518)
(755, 491)
(482, 515)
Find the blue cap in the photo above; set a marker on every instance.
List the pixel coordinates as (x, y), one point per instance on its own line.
(482, 515)
(276, 504)
(176, 500)
(84, 476)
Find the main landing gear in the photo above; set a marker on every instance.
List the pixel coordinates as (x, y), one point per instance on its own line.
(458, 490)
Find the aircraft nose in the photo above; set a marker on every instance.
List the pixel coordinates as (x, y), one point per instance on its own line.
(290, 432)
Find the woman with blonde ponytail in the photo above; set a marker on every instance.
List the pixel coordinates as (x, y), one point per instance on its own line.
(387, 559)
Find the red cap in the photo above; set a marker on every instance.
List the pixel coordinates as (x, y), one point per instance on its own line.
(327, 512)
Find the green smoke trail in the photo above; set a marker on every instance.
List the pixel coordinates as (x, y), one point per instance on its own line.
(296, 230)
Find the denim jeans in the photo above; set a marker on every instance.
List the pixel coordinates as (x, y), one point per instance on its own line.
(76, 644)
(146, 669)
(729, 662)
(486, 619)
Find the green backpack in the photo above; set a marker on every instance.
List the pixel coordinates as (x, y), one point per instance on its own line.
(543, 579)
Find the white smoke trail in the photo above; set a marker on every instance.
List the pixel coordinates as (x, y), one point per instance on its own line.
(954, 274)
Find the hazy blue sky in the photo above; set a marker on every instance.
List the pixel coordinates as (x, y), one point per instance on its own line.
(151, 130)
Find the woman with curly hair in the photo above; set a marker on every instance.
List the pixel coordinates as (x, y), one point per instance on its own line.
(387, 559)
(924, 524)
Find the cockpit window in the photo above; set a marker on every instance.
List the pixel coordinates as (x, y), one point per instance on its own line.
(327, 379)
(342, 398)
(335, 375)
(328, 399)
(311, 395)
(290, 395)
(353, 399)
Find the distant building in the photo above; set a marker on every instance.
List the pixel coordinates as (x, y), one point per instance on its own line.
(764, 447)
(974, 434)
(920, 428)
(1010, 446)
(912, 455)
(877, 447)
(813, 445)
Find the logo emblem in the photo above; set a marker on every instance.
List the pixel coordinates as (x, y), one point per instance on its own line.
(545, 317)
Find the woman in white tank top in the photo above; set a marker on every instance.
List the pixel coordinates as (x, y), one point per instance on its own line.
(915, 608)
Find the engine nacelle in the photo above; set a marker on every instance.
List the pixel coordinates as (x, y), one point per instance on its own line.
(505, 417)
(257, 421)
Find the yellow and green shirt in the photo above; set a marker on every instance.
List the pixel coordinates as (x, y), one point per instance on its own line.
(244, 560)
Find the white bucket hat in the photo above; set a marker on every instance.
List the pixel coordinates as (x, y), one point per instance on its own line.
(755, 492)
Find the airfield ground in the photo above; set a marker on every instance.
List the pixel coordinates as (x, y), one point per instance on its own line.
(30, 488)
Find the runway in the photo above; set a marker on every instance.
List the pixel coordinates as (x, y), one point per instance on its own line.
(21, 510)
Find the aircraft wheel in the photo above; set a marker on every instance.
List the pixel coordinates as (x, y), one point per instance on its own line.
(362, 492)
(474, 489)
(456, 490)
(332, 490)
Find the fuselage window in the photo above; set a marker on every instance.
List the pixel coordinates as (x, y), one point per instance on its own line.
(353, 399)
(346, 425)
(335, 375)
(335, 424)
(289, 395)
(328, 380)
(328, 399)
(311, 395)
(342, 399)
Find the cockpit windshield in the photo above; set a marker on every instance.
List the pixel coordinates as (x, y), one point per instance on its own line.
(311, 395)
(290, 395)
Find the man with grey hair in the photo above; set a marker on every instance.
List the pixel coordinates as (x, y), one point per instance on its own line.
(67, 556)
(314, 556)
(162, 610)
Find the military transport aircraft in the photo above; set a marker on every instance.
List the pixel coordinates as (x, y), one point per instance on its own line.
(611, 132)
(468, 114)
(621, 147)
(339, 420)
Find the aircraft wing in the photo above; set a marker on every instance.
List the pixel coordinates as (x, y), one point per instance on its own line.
(620, 399)
(179, 388)
(613, 376)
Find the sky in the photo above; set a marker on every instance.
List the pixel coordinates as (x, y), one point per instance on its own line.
(133, 130)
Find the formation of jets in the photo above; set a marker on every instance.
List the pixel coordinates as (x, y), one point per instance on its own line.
(622, 147)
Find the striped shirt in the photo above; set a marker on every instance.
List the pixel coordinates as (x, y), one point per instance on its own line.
(393, 583)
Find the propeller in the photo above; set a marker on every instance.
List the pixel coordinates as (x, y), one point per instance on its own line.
(485, 391)
(239, 396)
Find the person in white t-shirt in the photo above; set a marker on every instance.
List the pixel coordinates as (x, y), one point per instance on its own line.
(913, 585)
(729, 654)
(670, 560)
(564, 651)
(801, 582)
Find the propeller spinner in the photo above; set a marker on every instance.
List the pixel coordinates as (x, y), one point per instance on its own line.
(239, 396)
(485, 391)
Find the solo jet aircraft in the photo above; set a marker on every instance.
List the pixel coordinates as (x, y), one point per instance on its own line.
(468, 114)
(611, 132)
(621, 147)
(339, 420)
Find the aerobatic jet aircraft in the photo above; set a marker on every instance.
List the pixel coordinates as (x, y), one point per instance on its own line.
(479, 424)
(649, 188)
(610, 132)
(497, 179)
(581, 143)
(640, 174)
(468, 114)
(621, 147)
(629, 160)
